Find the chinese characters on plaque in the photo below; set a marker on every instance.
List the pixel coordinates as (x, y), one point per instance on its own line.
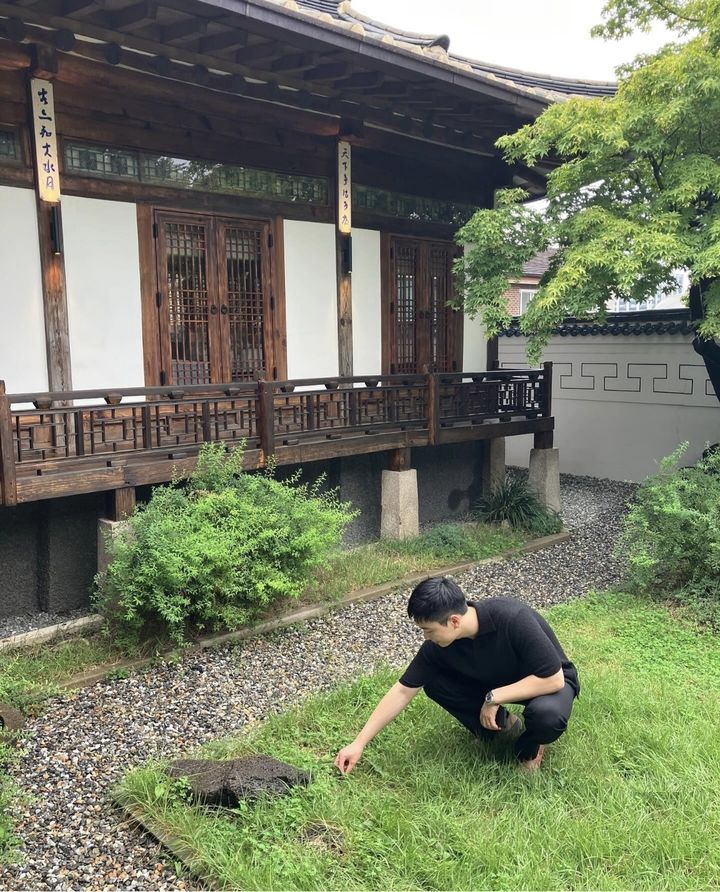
(46, 154)
(344, 188)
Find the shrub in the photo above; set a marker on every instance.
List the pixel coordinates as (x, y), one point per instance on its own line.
(214, 550)
(671, 539)
(514, 503)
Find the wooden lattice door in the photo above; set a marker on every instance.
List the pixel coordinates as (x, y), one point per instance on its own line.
(419, 329)
(215, 299)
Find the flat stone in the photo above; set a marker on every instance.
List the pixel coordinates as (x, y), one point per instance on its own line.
(227, 782)
(254, 775)
(207, 779)
(11, 719)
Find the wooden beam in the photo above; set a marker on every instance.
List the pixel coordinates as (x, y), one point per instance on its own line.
(190, 27)
(257, 51)
(225, 40)
(327, 72)
(295, 62)
(14, 29)
(131, 15)
(70, 7)
(13, 57)
(361, 80)
(44, 62)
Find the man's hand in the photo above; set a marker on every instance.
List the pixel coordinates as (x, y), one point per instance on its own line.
(348, 757)
(487, 716)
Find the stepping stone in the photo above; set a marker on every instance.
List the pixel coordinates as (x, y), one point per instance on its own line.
(10, 718)
(227, 782)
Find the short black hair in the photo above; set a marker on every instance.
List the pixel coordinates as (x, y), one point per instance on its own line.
(435, 600)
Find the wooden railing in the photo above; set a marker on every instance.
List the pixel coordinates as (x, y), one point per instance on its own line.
(55, 444)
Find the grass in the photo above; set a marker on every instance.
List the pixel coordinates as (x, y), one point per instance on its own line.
(29, 676)
(629, 798)
(389, 559)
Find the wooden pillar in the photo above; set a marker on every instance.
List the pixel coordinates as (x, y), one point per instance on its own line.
(400, 459)
(344, 305)
(266, 419)
(492, 353)
(52, 262)
(7, 454)
(122, 502)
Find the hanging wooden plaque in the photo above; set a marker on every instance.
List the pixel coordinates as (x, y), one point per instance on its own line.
(344, 187)
(45, 140)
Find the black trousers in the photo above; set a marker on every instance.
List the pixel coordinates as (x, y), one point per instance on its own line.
(546, 717)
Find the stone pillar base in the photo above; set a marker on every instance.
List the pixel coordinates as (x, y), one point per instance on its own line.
(106, 528)
(493, 464)
(544, 476)
(400, 513)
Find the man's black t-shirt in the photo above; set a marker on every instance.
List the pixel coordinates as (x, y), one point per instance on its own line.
(513, 641)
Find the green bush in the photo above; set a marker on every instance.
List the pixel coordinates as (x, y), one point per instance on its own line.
(515, 504)
(671, 539)
(216, 549)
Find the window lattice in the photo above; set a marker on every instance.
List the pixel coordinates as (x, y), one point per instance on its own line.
(410, 207)
(201, 176)
(405, 309)
(9, 144)
(439, 264)
(245, 303)
(186, 255)
(101, 162)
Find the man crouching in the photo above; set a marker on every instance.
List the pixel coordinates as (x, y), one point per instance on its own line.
(478, 656)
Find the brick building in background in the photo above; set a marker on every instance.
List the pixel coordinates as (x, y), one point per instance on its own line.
(521, 292)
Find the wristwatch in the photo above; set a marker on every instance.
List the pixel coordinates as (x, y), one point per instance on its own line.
(490, 697)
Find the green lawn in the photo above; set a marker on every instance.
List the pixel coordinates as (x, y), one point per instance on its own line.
(629, 798)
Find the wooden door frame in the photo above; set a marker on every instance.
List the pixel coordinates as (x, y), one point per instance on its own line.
(455, 318)
(155, 360)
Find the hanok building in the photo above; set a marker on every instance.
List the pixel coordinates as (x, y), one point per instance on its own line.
(233, 220)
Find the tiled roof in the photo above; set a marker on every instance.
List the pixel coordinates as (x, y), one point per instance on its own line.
(538, 264)
(546, 86)
(650, 322)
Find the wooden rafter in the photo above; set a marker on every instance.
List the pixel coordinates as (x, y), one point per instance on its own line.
(315, 93)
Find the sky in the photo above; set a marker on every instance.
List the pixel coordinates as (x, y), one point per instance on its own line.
(543, 36)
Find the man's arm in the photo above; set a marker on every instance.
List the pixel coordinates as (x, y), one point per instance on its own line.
(391, 705)
(525, 689)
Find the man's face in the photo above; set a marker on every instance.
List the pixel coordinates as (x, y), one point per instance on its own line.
(441, 634)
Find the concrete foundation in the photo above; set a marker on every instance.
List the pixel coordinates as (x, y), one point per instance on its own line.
(544, 476)
(50, 550)
(400, 517)
(106, 530)
(48, 555)
(493, 464)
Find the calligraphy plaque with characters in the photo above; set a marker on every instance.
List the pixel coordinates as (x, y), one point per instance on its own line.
(45, 139)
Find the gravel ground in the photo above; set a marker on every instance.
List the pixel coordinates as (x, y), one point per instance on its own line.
(74, 838)
(28, 622)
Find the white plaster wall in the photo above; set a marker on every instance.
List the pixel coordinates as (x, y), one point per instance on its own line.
(311, 299)
(103, 288)
(622, 403)
(366, 303)
(474, 345)
(23, 361)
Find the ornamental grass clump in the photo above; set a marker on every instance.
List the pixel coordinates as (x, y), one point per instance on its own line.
(514, 504)
(215, 550)
(671, 540)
